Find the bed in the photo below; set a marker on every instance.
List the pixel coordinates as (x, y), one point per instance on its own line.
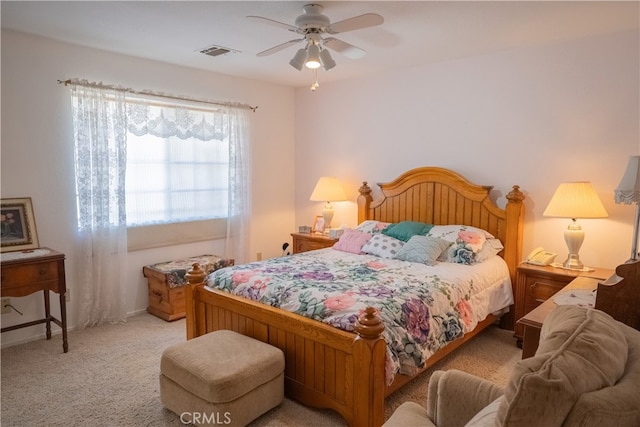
(327, 367)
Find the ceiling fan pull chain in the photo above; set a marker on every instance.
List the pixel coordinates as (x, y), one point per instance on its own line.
(315, 85)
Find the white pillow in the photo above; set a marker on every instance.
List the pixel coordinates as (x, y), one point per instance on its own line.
(487, 416)
(383, 246)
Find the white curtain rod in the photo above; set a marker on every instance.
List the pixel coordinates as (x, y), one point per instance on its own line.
(84, 83)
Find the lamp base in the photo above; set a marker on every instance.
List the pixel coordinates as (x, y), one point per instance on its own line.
(573, 262)
(573, 237)
(327, 215)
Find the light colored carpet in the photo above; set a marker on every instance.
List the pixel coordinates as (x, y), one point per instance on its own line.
(109, 377)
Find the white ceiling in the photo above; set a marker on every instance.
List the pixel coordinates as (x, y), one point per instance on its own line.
(413, 32)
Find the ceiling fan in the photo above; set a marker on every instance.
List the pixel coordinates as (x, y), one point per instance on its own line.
(313, 25)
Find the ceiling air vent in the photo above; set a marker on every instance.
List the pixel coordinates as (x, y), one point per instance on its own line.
(217, 50)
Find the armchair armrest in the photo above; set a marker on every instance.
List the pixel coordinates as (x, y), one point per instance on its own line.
(454, 397)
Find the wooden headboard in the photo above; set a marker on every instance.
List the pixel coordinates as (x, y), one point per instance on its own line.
(439, 196)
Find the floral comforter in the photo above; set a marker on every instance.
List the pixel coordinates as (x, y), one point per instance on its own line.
(423, 307)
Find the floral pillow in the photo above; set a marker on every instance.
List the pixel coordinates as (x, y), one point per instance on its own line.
(352, 241)
(472, 236)
(383, 246)
(461, 253)
(467, 242)
(422, 249)
(372, 226)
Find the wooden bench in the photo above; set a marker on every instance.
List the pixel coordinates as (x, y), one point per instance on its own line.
(166, 283)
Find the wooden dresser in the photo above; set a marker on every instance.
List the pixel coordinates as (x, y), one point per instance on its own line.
(536, 284)
(44, 271)
(303, 242)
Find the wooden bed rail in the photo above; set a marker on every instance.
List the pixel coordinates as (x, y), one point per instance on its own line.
(346, 372)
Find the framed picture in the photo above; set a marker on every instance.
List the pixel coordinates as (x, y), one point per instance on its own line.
(18, 225)
(318, 224)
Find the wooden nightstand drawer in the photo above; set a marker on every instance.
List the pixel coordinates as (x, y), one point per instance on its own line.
(309, 242)
(539, 289)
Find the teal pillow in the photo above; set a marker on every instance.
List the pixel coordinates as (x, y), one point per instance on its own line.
(406, 229)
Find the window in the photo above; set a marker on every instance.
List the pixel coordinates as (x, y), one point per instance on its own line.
(172, 180)
(177, 173)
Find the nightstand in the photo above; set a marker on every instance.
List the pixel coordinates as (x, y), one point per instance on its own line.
(532, 321)
(303, 242)
(535, 284)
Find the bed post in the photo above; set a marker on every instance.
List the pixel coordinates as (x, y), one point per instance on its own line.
(513, 247)
(369, 353)
(195, 275)
(515, 220)
(364, 201)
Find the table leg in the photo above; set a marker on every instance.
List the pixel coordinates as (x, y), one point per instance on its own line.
(530, 341)
(63, 319)
(47, 312)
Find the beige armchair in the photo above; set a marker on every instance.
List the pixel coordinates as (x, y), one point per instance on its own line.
(586, 372)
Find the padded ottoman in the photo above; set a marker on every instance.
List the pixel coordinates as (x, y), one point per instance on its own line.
(221, 377)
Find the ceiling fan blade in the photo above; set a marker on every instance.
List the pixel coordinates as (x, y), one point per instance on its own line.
(355, 23)
(278, 48)
(344, 48)
(275, 23)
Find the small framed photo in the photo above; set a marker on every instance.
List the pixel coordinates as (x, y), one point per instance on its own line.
(318, 224)
(18, 225)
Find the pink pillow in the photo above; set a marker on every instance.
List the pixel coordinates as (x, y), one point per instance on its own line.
(352, 241)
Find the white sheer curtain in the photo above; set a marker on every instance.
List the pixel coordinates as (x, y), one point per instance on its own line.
(99, 124)
(238, 220)
(101, 117)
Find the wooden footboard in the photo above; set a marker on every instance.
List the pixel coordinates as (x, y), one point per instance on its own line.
(324, 366)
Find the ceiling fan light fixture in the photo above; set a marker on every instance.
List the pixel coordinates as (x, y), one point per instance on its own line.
(299, 59)
(313, 57)
(326, 59)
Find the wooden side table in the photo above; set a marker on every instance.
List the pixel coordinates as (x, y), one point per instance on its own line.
(303, 242)
(536, 284)
(532, 323)
(26, 274)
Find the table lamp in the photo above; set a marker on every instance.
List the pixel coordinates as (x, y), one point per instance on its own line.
(627, 192)
(328, 189)
(575, 200)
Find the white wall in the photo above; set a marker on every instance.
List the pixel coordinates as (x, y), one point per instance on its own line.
(37, 152)
(534, 117)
